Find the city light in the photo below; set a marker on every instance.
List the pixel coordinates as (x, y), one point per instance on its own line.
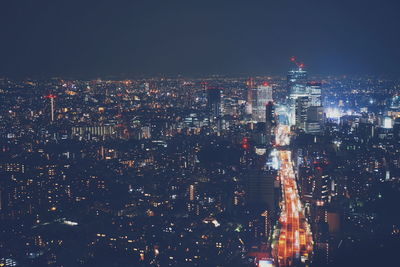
(183, 134)
(333, 113)
(388, 123)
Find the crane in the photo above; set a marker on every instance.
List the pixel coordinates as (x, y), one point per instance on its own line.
(298, 64)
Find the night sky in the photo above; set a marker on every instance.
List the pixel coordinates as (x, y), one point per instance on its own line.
(197, 37)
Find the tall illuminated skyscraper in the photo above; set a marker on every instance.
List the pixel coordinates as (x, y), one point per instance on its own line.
(297, 80)
(249, 95)
(262, 94)
(315, 112)
(314, 90)
(297, 87)
(301, 108)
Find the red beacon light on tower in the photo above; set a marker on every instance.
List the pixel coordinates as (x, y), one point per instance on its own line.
(50, 96)
(265, 83)
(245, 144)
(299, 65)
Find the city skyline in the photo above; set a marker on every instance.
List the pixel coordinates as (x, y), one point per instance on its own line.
(182, 172)
(149, 133)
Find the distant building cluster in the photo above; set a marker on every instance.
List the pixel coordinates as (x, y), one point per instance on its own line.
(192, 172)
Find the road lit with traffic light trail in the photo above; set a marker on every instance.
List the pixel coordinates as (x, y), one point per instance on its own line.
(293, 244)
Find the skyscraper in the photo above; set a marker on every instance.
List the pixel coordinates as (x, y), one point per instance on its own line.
(270, 113)
(214, 101)
(314, 90)
(315, 119)
(315, 112)
(262, 94)
(270, 122)
(301, 107)
(297, 87)
(260, 189)
(249, 95)
(296, 81)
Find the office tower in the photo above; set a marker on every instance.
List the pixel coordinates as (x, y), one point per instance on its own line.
(258, 134)
(270, 122)
(297, 80)
(249, 95)
(270, 113)
(214, 101)
(315, 119)
(301, 106)
(315, 113)
(314, 90)
(262, 94)
(321, 185)
(297, 87)
(260, 189)
(261, 200)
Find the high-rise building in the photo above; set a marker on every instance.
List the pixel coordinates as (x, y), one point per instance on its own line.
(297, 81)
(315, 119)
(270, 113)
(315, 113)
(297, 87)
(249, 95)
(258, 135)
(314, 90)
(301, 107)
(214, 101)
(262, 94)
(321, 185)
(270, 122)
(261, 190)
